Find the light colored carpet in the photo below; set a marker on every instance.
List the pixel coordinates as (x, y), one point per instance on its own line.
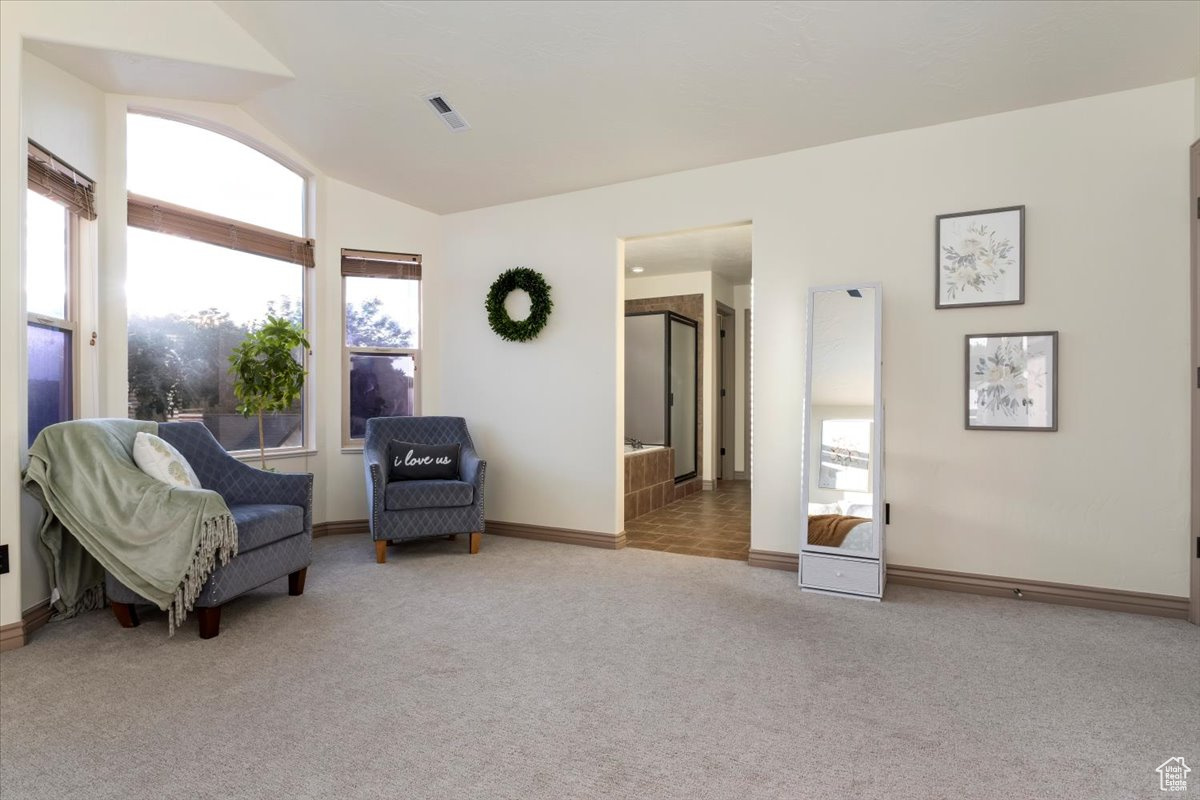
(538, 670)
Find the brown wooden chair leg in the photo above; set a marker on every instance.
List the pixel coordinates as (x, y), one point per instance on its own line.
(380, 551)
(296, 581)
(210, 621)
(475, 539)
(126, 614)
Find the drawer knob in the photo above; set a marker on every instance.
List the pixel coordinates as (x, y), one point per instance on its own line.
(838, 572)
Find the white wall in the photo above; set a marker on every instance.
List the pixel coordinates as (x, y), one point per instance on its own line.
(358, 219)
(669, 285)
(67, 117)
(741, 305)
(1102, 502)
(1196, 83)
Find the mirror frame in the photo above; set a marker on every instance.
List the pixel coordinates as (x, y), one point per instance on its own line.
(878, 485)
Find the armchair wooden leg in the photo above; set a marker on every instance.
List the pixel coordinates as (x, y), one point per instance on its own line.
(126, 614)
(475, 539)
(380, 551)
(210, 621)
(296, 582)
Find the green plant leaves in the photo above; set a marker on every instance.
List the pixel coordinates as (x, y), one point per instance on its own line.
(267, 375)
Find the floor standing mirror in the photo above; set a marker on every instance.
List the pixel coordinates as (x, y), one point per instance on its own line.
(842, 544)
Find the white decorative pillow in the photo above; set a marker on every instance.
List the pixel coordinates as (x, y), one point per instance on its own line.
(158, 459)
(816, 509)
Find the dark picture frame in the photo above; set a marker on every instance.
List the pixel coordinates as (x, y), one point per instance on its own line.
(1011, 376)
(973, 256)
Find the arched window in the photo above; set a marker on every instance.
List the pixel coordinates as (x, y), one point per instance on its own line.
(216, 242)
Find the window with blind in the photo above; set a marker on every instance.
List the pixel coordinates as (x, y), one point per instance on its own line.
(381, 295)
(215, 245)
(59, 200)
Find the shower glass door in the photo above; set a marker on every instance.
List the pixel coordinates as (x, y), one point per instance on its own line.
(645, 378)
(682, 396)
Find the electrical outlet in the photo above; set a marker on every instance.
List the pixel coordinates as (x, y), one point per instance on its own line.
(3, 559)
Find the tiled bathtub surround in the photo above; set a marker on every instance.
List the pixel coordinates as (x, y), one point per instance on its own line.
(650, 482)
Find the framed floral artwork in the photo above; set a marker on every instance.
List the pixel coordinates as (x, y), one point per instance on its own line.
(980, 258)
(1012, 381)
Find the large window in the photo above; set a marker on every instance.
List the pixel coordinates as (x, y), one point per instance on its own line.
(382, 317)
(57, 201)
(215, 245)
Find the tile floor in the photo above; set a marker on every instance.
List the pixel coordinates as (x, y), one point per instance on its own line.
(714, 524)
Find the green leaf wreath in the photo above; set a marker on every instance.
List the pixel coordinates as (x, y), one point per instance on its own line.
(529, 281)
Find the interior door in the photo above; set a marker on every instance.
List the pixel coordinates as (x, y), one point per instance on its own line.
(1194, 549)
(725, 397)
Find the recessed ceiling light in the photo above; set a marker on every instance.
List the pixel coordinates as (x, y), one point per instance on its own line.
(637, 269)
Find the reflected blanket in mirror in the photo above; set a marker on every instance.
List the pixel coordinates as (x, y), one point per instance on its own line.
(828, 530)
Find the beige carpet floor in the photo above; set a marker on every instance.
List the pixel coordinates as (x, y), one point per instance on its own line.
(538, 670)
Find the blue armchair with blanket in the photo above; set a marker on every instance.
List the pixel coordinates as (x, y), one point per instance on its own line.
(273, 512)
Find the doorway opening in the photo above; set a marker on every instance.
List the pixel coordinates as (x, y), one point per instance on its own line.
(686, 434)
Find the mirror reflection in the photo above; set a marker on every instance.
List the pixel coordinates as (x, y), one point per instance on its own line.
(841, 465)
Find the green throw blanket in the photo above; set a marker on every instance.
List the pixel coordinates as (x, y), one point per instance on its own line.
(104, 513)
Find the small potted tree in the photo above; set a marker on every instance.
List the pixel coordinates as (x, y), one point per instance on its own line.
(267, 376)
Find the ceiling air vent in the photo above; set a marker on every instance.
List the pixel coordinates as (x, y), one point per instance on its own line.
(449, 116)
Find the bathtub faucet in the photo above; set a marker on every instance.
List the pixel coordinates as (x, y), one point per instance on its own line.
(634, 443)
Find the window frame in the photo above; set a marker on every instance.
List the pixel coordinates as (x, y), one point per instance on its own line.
(137, 205)
(349, 351)
(71, 305)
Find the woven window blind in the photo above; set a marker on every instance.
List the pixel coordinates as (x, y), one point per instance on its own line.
(155, 215)
(61, 182)
(376, 264)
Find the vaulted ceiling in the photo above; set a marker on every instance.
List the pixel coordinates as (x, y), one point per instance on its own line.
(570, 95)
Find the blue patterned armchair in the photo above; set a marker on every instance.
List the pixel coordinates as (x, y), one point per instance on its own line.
(273, 512)
(402, 510)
